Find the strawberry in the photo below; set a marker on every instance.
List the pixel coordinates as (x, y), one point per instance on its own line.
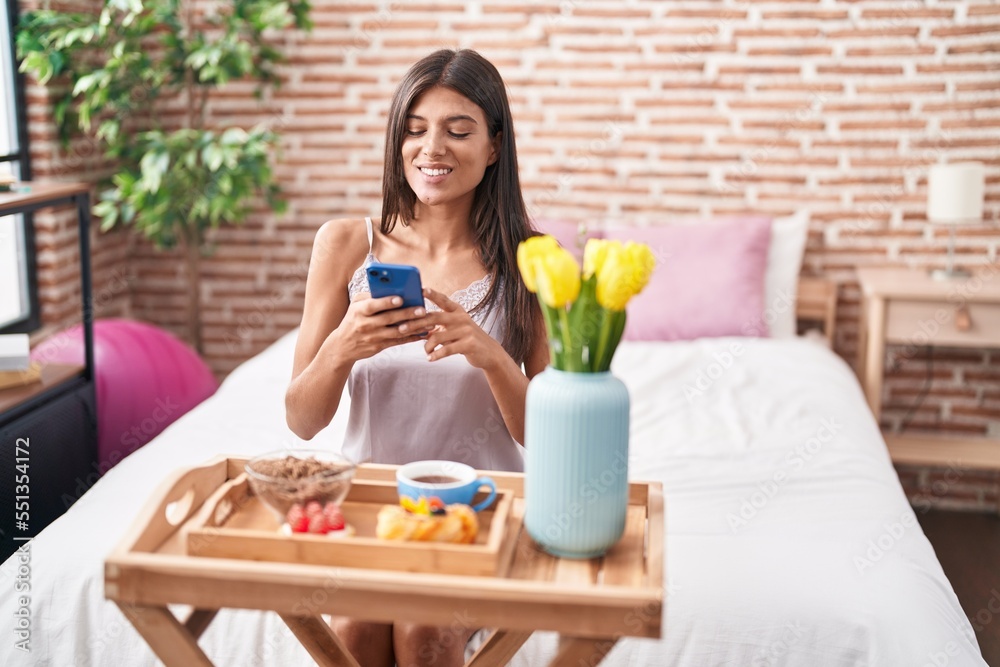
(313, 507)
(317, 524)
(334, 517)
(297, 519)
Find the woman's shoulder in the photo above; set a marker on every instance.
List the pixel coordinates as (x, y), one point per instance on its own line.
(343, 241)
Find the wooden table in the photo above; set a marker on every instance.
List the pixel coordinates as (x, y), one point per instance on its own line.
(907, 307)
(591, 603)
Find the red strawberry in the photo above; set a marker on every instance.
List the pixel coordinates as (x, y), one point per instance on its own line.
(313, 507)
(334, 517)
(297, 519)
(317, 524)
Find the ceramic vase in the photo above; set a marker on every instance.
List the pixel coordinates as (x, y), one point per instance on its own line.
(576, 462)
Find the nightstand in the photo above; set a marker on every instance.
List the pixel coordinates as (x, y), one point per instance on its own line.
(908, 307)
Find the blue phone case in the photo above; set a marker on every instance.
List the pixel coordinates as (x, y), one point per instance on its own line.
(395, 280)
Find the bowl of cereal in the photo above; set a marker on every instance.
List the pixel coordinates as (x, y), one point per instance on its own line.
(291, 480)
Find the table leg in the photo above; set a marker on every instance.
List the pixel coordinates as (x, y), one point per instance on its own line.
(499, 648)
(170, 640)
(318, 638)
(862, 338)
(198, 620)
(575, 651)
(875, 354)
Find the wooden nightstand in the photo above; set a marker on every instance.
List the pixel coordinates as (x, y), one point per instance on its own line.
(908, 307)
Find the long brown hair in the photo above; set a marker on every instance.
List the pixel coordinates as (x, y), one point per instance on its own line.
(499, 219)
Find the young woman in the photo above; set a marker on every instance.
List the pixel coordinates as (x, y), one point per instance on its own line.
(443, 381)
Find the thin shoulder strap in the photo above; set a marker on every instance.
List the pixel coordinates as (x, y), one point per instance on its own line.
(371, 234)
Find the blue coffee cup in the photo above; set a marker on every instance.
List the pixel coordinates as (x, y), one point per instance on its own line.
(450, 481)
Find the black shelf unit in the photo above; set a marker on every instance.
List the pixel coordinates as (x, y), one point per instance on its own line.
(59, 422)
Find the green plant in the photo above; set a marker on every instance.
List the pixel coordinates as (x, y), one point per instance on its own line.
(170, 184)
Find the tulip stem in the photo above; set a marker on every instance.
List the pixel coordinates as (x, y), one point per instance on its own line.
(570, 356)
(602, 342)
(553, 330)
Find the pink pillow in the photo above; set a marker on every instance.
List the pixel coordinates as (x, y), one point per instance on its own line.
(709, 279)
(567, 233)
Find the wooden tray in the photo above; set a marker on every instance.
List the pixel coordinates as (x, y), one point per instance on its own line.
(591, 603)
(234, 523)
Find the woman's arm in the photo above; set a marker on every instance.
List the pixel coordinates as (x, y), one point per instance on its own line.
(457, 333)
(318, 371)
(335, 332)
(510, 386)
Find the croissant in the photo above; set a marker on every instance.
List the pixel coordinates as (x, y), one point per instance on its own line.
(458, 525)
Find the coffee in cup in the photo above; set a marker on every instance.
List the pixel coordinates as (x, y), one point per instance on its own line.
(450, 481)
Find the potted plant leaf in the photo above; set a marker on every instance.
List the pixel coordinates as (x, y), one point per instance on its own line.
(172, 184)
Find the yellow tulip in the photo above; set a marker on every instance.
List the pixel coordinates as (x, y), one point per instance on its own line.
(558, 277)
(527, 252)
(594, 254)
(643, 261)
(625, 272)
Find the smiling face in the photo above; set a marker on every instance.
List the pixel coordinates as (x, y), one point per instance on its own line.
(446, 147)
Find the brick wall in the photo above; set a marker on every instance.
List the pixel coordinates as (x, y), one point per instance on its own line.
(646, 111)
(56, 230)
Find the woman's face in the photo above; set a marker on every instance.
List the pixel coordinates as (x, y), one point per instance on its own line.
(446, 146)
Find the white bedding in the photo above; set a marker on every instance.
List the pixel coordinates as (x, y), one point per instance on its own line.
(825, 565)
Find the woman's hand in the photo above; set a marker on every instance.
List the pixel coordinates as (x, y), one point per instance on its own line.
(372, 325)
(455, 332)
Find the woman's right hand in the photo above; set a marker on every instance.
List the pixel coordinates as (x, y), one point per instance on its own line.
(372, 325)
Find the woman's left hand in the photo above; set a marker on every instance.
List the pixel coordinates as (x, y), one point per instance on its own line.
(455, 332)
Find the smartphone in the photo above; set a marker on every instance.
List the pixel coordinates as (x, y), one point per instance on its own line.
(396, 280)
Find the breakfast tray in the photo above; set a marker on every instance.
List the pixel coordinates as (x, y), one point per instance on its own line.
(591, 603)
(234, 523)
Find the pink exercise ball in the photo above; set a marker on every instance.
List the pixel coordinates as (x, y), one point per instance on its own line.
(145, 377)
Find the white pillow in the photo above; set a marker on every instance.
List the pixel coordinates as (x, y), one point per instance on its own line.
(784, 262)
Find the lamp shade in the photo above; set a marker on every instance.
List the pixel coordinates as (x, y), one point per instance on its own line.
(955, 193)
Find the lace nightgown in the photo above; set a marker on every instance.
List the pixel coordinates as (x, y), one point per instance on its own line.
(405, 408)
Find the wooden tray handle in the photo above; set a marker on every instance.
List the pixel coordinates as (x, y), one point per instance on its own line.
(175, 500)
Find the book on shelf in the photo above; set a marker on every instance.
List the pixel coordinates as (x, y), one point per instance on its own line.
(31, 374)
(14, 352)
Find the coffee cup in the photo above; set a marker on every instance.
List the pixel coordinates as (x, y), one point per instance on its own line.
(449, 481)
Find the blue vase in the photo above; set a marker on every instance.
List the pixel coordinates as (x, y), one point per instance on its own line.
(576, 465)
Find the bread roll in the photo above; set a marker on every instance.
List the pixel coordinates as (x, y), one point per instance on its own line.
(457, 525)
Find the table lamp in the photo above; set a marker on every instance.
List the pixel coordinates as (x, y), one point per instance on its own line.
(955, 197)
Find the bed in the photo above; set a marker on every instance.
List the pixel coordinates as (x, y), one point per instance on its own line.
(789, 539)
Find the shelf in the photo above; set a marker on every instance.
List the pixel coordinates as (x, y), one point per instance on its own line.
(40, 194)
(52, 376)
(944, 451)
